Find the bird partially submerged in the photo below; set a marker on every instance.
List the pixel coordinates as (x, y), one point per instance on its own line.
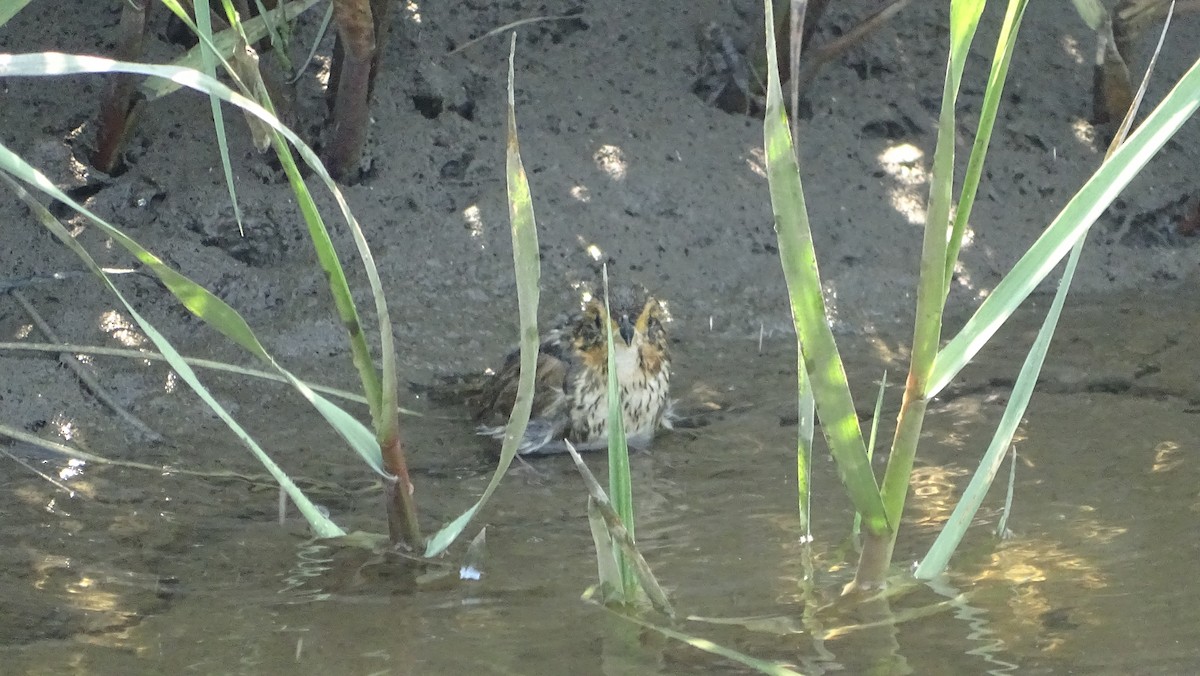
(570, 399)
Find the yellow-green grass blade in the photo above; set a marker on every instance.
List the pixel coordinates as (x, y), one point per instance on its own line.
(321, 525)
(1070, 226)
(1005, 44)
(1092, 13)
(964, 19)
(608, 573)
(209, 308)
(956, 526)
(839, 422)
(528, 272)
(221, 44)
(9, 9)
(964, 512)
(620, 483)
(208, 66)
(876, 555)
(610, 535)
(381, 396)
(52, 63)
(871, 439)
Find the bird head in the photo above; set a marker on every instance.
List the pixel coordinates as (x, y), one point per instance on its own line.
(636, 317)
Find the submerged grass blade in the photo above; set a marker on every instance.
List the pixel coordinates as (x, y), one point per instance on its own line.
(759, 665)
(818, 350)
(320, 524)
(1002, 530)
(528, 271)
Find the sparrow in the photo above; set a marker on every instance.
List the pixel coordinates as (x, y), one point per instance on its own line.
(570, 398)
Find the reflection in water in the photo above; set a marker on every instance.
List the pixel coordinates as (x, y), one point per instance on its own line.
(178, 574)
(1167, 456)
(934, 494)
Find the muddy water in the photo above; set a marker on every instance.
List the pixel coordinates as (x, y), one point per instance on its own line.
(147, 573)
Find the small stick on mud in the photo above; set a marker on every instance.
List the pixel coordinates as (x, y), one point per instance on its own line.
(89, 381)
(509, 26)
(830, 51)
(55, 482)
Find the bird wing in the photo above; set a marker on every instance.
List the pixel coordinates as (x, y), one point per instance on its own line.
(498, 395)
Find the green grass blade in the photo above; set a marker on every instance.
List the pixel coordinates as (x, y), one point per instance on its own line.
(620, 484)
(839, 422)
(222, 43)
(50, 63)
(277, 28)
(875, 416)
(983, 134)
(964, 512)
(956, 526)
(320, 524)
(609, 535)
(209, 308)
(1092, 13)
(234, 39)
(806, 427)
(877, 550)
(1002, 530)
(382, 404)
(208, 66)
(856, 529)
(9, 9)
(196, 362)
(931, 296)
(528, 271)
(343, 299)
(1069, 227)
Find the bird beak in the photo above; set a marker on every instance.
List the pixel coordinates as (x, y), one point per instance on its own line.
(625, 328)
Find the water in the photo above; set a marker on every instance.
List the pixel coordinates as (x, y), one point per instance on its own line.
(141, 573)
